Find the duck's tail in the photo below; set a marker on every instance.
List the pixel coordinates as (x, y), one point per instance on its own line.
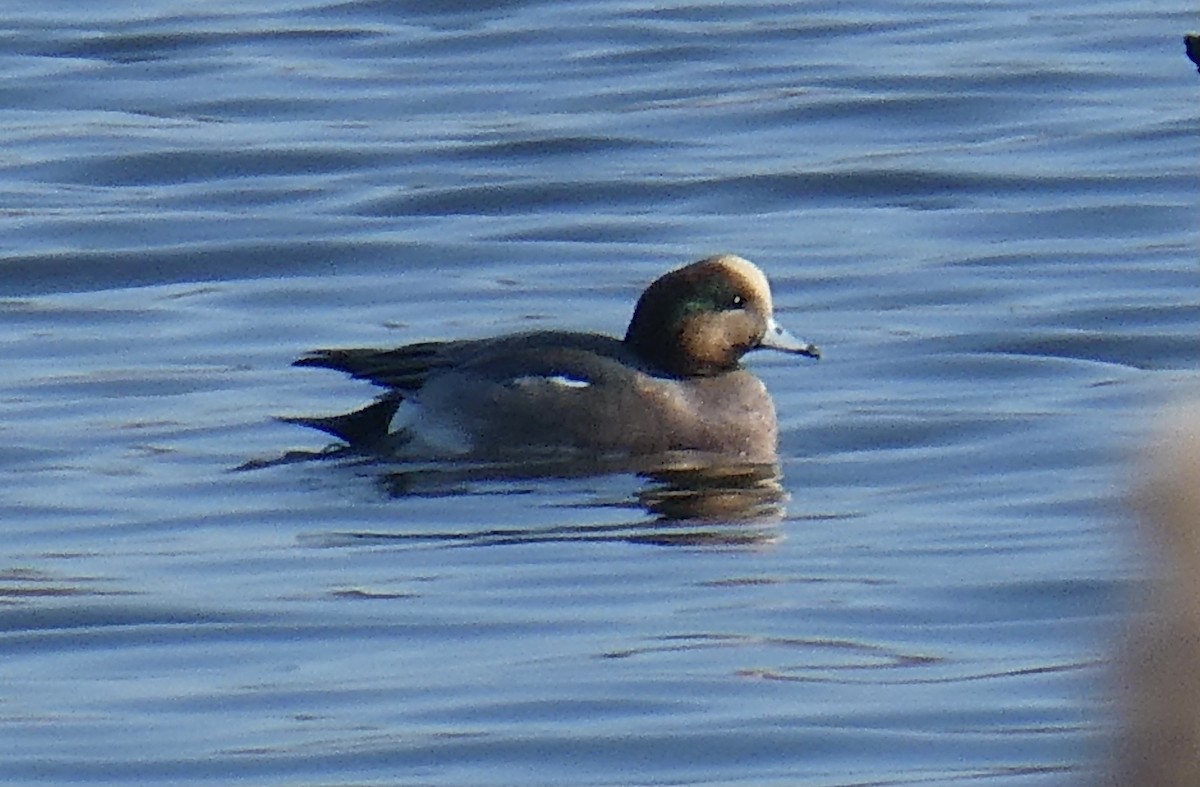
(366, 428)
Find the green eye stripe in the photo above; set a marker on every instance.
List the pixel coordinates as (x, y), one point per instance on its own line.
(714, 298)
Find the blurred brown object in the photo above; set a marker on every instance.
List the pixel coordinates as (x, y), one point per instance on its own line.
(1160, 676)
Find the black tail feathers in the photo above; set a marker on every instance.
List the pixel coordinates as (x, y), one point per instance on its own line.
(366, 428)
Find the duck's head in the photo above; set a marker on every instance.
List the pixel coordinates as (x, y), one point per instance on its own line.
(701, 319)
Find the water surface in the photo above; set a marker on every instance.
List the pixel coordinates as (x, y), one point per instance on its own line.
(985, 214)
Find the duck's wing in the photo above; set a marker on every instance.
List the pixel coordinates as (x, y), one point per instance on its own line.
(404, 369)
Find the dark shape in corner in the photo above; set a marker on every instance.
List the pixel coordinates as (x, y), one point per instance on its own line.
(1192, 42)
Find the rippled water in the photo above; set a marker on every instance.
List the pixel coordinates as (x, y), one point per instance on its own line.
(985, 214)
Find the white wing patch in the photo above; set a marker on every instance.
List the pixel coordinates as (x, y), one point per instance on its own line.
(559, 380)
(427, 433)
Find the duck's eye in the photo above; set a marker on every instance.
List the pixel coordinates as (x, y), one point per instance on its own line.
(736, 302)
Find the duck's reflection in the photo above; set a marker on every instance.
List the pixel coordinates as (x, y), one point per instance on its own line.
(690, 499)
(681, 493)
(715, 493)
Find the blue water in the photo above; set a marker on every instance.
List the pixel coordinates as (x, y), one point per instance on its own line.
(985, 214)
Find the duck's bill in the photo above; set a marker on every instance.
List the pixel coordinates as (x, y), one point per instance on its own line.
(778, 338)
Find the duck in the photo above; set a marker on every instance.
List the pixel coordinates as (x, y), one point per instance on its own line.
(673, 384)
